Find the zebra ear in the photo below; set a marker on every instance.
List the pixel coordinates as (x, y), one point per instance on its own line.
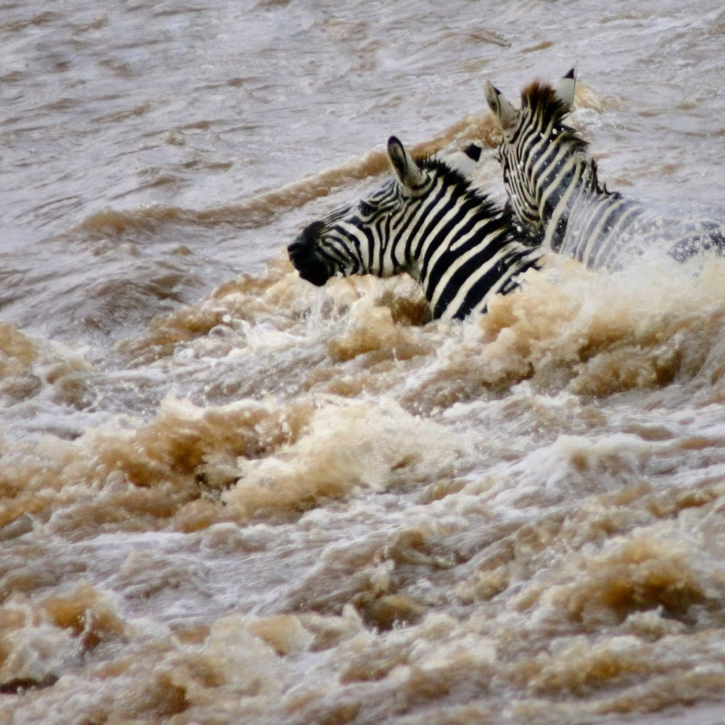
(406, 169)
(502, 109)
(564, 89)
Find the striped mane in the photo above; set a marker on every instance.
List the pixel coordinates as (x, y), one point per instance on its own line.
(454, 178)
(541, 99)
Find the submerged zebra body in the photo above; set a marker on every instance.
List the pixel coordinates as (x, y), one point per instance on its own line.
(554, 190)
(429, 222)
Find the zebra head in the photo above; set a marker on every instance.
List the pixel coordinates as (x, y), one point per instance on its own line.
(538, 151)
(430, 221)
(510, 119)
(358, 238)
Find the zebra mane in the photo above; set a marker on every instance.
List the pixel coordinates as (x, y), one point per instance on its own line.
(541, 98)
(488, 207)
(453, 177)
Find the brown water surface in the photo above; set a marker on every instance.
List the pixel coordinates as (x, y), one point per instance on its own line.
(228, 496)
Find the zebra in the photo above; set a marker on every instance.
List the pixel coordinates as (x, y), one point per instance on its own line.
(554, 190)
(430, 222)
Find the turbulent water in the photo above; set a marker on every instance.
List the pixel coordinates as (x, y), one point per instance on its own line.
(231, 497)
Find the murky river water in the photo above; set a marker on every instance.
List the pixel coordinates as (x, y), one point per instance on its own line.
(230, 497)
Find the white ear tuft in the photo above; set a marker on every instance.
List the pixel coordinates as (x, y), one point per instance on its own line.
(406, 169)
(502, 109)
(565, 88)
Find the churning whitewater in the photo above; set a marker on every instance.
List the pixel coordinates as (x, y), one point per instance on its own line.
(230, 496)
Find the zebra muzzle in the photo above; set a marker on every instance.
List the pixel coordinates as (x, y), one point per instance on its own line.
(305, 255)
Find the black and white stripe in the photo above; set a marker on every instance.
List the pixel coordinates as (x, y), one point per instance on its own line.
(429, 222)
(554, 190)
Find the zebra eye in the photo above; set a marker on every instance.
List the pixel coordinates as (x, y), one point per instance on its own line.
(365, 209)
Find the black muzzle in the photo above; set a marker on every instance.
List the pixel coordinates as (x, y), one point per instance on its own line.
(304, 253)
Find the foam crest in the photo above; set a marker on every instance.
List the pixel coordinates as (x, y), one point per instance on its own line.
(347, 447)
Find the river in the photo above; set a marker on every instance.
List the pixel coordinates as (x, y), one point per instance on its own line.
(228, 496)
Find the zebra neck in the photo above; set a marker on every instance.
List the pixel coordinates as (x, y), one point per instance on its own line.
(574, 186)
(461, 279)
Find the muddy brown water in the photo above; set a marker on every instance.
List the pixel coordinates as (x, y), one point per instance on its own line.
(228, 496)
